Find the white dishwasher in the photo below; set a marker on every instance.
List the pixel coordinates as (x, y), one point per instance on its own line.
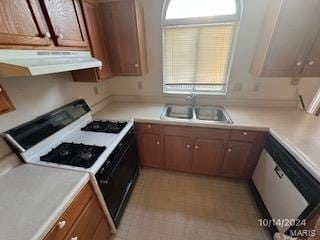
(285, 192)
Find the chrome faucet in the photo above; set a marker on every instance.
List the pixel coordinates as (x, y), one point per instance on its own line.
(192, 99)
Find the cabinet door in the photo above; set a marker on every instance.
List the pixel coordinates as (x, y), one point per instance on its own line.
(207, 156)
(22, 23)
(151, 150)
(95, 35)
(177, 152)
(236, 158)
(126, 39)
(87, 223)
(103, 231)
(5, 103)
(312, 65)
(295, 32)
(67, 22)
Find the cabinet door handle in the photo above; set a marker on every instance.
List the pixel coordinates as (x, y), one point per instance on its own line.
(74, 238)
(196, 147)
(62, 224)
(60, 36)
(47, 35)
(149, 126)
(229, 150)
(158, 143)
(188, 146)
(245, 133)
(311, 63)
(136, 65)
(299, 63)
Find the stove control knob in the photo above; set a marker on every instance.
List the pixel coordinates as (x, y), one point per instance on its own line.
(61, 224)
(103, 181)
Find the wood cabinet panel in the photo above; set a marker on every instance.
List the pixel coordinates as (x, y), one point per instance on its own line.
(289, 30)
(124, 27)
(236, 158)
(95, 33)
(5, 102)
(151, 150)
(103, 231)
(22, 23)
(71, 214)
(177, 152)
(242, 135)
(207, 156)
(88, 221)
(66, 21)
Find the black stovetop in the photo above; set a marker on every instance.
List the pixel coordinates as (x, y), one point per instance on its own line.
(74, 154)
(105, 126)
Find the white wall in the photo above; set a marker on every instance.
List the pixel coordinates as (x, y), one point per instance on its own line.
(269, 89)
(34, 96)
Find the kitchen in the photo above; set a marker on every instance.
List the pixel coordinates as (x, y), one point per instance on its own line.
(153, 119)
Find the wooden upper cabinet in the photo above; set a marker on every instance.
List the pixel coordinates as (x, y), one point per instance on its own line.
(67, 23)
(96, 37)
(288, 34)
(124, 28)
(312, 65)
(5, 103)
(207, 156)
(22, 23)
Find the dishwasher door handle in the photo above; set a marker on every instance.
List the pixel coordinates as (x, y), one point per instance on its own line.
(279, 172)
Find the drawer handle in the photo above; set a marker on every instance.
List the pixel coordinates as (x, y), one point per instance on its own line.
(158, 143)
(47, 35)
(62, 224)
(196, 147)
(149, 126)
(60, 36)
(229, 150)
(188, 146)
(245, 133)
(74, 238)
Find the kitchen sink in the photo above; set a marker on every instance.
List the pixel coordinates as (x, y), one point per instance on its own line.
(205, 113)
(179, 112)
(217, 114)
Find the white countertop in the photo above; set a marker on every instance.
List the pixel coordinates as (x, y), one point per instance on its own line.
(298, 131)
(34, 197)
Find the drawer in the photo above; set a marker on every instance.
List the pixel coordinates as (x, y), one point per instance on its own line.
(242, 135)
(148, 128)
(65, 222)
(88, 222)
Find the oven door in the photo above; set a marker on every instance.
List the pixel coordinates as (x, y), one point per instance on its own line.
(116, 186)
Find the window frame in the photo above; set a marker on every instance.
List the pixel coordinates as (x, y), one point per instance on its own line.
(201, 21)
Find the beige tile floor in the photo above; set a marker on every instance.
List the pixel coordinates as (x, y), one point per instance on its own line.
(175, 206)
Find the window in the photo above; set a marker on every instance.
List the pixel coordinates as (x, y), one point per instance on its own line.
(198, 40)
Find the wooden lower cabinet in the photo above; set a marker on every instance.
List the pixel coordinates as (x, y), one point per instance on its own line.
(219, 152)
(5, 102)
(236, 159)
(151, 152)
(83, 219)
(207, 156)
(177, 153)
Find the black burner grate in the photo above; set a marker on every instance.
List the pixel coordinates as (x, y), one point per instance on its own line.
(105, 126)
(74, 154)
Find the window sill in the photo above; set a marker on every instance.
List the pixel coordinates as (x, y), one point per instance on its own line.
(170, 93)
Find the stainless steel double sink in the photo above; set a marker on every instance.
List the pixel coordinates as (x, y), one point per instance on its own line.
(187, 112)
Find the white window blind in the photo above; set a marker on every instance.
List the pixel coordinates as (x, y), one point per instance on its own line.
(198, 40)
(197, 58)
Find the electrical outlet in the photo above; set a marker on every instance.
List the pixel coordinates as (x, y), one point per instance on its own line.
(295, 81)
(140, 85)
(96, 91)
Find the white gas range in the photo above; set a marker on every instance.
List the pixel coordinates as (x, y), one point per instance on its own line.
(70, 138)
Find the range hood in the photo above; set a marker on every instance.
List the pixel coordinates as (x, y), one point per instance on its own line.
(14, 63)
